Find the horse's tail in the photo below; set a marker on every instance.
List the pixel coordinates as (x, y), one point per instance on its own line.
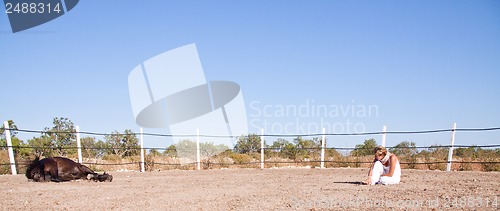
(32, 166)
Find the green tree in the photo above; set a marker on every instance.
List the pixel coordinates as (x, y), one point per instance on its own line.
(12, 127)
(16, 143)
(92, 148)
(364, 149)
(308, 144)
(154, 153)
(438, 152)
(472, 152)
(63, 135)
(171, 151)
(186, 149)
(290, 151)
(248, 144)
(279, 144)
(407, 152)
(123, 144)
(405, 149)
(43, 146)
(209, 149)
(307, 147)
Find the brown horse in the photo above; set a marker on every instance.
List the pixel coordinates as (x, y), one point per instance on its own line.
(57, 169)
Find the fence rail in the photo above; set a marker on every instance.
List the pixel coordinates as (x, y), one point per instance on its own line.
(262, 148)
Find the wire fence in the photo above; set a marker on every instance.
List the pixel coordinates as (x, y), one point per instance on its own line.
(271, 135)
(313, 156)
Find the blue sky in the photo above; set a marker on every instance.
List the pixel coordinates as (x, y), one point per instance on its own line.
(423, 64)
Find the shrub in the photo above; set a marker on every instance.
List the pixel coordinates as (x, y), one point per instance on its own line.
(112, 157)
(241, 158)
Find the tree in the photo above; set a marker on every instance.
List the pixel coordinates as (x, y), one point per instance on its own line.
(186, 149)
(63, 135)
(43, 146)
(472, 152)
(279, 144)
(18, 147)
(309, 144)
(248, 144)
(93, 149)
(12, 127)
(405, 149)
(364, 149)
(171, 151)
(126, 144)
(209, 149)
(290, 151)
(154, 153)
(438, 152)
(306, 147)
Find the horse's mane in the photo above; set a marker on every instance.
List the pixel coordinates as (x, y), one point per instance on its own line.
(32, 166)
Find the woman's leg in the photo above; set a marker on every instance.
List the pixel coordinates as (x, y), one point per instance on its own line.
(377, 170)
(389, 180)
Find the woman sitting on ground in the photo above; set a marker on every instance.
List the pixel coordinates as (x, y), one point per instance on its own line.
(385, 169)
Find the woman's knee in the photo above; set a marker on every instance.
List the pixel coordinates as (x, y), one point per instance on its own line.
(377, 165)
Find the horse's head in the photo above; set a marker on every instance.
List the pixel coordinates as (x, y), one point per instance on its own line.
(33, 170)
(107, 177)
(102, 178)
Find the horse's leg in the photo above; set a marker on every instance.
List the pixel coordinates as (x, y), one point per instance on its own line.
(85, 171)
(50, 167)
(66, 174)
(43, 175)
(54, 175)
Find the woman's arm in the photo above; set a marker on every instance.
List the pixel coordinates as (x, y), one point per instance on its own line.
(370, 172)
(371, 168)
(394, 160)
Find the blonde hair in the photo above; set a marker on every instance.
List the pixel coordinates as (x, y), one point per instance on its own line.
(380, 150)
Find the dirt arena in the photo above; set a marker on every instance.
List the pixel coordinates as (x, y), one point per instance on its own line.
(254, 189)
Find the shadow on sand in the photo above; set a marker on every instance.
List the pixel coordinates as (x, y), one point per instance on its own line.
(352, 183)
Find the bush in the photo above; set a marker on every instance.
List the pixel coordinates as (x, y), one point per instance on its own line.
(490, 166)
(112, 157)
(4, 159)
(241, 158)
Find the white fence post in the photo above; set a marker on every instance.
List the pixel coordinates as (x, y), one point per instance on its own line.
(384, 134)
(198, 159)
(142, 149)
(262, 148)
(450, 151)
(78, 144)
(9, 148)
(323, 143)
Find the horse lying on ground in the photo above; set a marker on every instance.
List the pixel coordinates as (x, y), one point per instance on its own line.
(59, 169)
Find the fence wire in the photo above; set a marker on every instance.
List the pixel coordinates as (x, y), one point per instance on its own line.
(269, 135)
(208, 162)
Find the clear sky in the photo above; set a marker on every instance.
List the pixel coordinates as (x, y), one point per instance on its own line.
(410, 65)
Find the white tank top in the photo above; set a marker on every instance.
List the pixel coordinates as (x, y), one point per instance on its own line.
(397, 170)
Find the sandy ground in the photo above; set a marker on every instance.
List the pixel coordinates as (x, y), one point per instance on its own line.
(254, 189)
